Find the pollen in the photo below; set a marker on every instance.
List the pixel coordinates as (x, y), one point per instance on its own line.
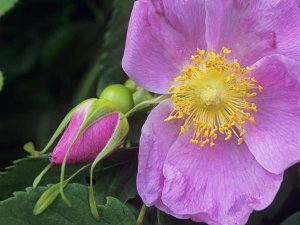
(212, 96)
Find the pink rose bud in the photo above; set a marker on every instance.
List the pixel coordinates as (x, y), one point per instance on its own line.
(91, 126)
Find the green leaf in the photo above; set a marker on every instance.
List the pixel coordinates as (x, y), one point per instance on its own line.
(18, 210)
(6, 5)
(116, 213)
(1, 80)
(292, 220)
(119, 182)
(113, 47)
(24, 171)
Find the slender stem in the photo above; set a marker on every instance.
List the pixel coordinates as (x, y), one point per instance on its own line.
(141, 215)
(40, 156)
(78, 171)
(145, 104)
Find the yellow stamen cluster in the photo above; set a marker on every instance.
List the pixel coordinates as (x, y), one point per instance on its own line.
(212, 97)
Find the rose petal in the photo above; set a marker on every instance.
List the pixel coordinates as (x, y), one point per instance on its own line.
(162, 35)
(274, 140)
(157, 137)
(91, 141)
(254, 29)
(220, 185)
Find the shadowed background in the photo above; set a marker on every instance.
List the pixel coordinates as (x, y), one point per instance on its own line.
(56, 53)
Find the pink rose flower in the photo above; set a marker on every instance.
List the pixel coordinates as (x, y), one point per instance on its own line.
(217, 149)
(91, 142)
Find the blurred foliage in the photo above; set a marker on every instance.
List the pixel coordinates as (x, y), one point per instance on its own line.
(1, 80)
(292, 220)
(6, 5)
(47, 50)
(54, 54)
(111, 70)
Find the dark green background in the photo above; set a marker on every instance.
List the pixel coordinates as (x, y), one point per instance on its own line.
(50, 54)
(54, 54)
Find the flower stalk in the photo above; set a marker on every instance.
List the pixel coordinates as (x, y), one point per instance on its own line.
(142, 214)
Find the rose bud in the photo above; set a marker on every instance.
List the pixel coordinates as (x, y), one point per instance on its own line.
(90, 128)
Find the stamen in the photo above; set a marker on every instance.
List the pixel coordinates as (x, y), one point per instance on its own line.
(212, 97)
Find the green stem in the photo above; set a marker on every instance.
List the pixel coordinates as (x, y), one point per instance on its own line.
(78, 171)
(141, 215)
(146, 104)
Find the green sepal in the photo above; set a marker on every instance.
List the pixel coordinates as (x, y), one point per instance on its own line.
(29, 147)
(119, 134)
(46, 199)
(51, 194)
(40, 176)
(98, 108)
(93, 205)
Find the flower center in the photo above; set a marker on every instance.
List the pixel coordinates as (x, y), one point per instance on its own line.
(212, 96)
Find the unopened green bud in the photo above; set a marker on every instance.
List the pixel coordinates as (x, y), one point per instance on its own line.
(120, 96)
(131, 85)
(141, 95)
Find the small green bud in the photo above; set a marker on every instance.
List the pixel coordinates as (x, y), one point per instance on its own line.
(131, 85)
(141, 95)
(120, 96)
(29, 147)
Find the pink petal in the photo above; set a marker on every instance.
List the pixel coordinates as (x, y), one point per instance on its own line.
(89, 144)
(157, 137)
(253, 29)
(274, 140)
(220, 185)
(162, 35)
